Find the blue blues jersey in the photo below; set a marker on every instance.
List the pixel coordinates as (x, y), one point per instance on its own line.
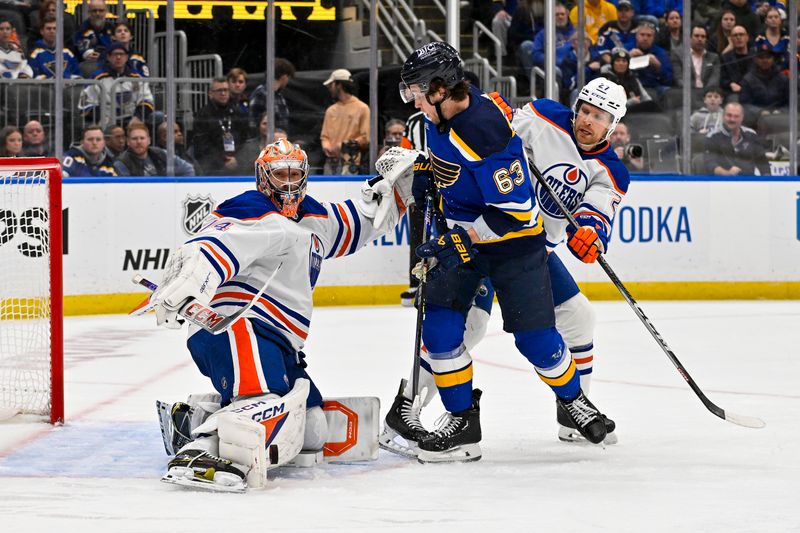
(480, 169)
(76, 163)
(43, 62)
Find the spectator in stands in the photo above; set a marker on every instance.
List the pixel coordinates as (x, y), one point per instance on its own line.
(775, 37)
(394, 134)
(734, 149)
(639, 100)
(706, 66)
(284, 72)
(10, 142)
(48, 7)
(345, 128)
(115, 140)
(708, 13)
(597, 13)
(237, 83)
(141, 159)
(523, 29)
(657, 76)
(531, 53)
(219, 131)
(12, 59)
(670, 35)
(501, 20)
(765, 89)
(93, 37)
(721, 41)
(34, 140)
(569, 66)
(656, 9)
(90, 159)
(620, 33)
(14, 11)
(121, 33)
(737, 62)
(180, 144)
(43, 57)
(745, 16)
(708, 118)
(631, 155)
(253, 147)
(119, 101)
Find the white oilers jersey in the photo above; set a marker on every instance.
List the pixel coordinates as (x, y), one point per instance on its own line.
(587, 182)
(246, 239)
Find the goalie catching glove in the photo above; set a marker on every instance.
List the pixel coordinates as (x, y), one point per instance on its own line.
(451, 250)
(589, 240)
(393, 186)
(188, 275)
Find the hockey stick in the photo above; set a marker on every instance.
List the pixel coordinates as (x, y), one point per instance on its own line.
(742, 420)
(423, 282)
(197, 313)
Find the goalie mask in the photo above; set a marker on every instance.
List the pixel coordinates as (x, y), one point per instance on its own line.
(282, 174)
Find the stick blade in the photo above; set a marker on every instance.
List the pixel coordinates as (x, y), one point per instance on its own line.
(745, 421)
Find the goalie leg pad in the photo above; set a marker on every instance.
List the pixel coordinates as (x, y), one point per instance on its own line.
(353, 425)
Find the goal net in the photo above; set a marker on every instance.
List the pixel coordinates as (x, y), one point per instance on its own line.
(31, 368)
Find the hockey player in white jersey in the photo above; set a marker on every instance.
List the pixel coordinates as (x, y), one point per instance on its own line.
(279, 235)
(570, 147)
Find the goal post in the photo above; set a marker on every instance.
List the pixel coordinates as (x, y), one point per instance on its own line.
(31, 288)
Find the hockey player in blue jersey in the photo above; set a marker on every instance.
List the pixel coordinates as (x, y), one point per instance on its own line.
(571, 149)
(494, 231)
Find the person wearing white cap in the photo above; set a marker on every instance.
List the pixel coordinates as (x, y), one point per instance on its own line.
(345, 128)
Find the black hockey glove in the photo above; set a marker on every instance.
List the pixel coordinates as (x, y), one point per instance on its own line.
(451, 250)
(423, 183)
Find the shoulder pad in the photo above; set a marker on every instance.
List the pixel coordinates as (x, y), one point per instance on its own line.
(311, 207)
(247, 206)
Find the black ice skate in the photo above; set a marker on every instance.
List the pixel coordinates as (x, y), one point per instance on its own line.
(582, 415)
(568, 433)
(199, 469)
(457, 438)
(402, 428)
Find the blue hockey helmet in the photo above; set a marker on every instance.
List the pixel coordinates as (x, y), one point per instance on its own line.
(436, 60)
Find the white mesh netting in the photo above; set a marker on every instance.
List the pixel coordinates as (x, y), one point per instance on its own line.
(24, 291)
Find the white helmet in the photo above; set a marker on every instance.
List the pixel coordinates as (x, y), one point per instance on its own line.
(606, 95)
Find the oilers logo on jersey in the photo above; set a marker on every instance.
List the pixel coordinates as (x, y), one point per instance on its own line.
(314, 260)
(568, 182)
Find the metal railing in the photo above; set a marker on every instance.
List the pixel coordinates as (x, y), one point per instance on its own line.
(158, 63)
(400, 26)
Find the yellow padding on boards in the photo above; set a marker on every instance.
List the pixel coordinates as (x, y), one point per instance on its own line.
(562, 379)
(93, 304)
(452, 379)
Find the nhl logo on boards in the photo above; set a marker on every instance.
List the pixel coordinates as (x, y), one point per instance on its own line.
(195, 210)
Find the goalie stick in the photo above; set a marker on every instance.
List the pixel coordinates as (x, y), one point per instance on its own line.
(197, 313)
(742, 420)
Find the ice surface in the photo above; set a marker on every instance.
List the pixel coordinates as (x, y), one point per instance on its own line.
(676, 467)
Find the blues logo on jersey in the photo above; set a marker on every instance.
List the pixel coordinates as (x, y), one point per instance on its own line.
(568, 182)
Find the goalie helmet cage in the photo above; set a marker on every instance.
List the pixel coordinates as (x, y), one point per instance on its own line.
(31, 291)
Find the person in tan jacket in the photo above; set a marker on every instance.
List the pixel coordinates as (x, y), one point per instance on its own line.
(345, 129)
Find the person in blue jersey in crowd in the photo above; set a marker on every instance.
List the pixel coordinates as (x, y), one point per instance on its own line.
(43, 57)
(275, 236)
(90, 159)
(494, 231)
(571, 148)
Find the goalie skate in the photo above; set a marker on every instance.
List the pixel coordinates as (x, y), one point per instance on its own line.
(402, 428)
(568, 433)
(201, 470)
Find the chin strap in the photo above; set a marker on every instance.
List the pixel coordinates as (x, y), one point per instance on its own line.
(438, 107)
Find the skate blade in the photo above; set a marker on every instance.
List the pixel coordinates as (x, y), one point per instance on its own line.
(388, 441)
(222, 482)
(572, 436)
(460, 454)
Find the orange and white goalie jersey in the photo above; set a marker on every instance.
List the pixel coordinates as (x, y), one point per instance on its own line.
(246, 238)
(587, 182)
